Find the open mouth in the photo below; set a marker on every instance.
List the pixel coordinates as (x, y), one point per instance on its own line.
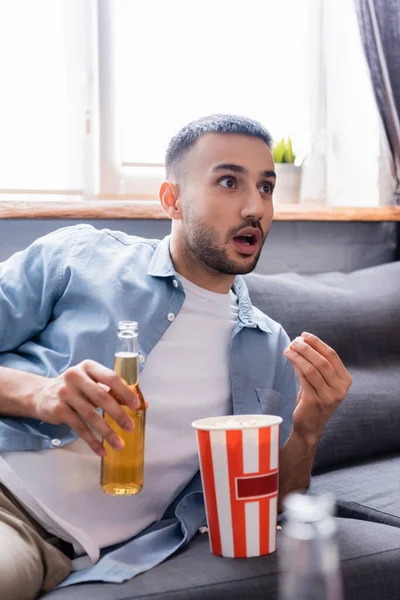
(248, 241)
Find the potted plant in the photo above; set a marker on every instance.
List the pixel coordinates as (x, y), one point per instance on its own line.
(287, 190)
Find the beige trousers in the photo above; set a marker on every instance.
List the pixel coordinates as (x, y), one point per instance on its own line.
(31, 560)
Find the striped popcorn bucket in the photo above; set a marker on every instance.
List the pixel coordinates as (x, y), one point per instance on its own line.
(239, 463)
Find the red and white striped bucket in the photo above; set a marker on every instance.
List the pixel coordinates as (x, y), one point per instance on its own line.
(239, 462)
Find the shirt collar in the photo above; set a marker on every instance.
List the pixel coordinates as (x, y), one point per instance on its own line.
(248, 314)
(161, 263)
(161, 266)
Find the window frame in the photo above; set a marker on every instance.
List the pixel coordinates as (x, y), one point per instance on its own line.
(105, 175)
(116, 180)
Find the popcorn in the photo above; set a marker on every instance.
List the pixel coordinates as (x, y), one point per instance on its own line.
(236, 424)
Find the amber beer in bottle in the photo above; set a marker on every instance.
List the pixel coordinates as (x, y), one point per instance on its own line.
(122, 470)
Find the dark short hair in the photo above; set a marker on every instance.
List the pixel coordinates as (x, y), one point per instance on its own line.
(189, 134)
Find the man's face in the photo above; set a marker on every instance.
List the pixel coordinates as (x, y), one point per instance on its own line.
(226, 191)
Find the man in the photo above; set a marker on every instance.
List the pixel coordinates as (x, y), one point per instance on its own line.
(205, 351)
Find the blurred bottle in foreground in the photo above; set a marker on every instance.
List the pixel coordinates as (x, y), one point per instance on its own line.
(122, 470)
(309, 551)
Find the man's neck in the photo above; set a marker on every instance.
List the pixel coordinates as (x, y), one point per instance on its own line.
(199, 274)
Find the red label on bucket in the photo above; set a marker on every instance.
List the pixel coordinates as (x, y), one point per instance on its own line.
(259, 486)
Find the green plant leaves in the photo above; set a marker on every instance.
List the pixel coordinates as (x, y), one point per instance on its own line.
(283, 151)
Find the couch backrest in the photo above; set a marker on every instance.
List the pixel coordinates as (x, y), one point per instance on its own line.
(298, 246)
(358, 314)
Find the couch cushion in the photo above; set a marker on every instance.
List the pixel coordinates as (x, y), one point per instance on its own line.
(368, 421)
(365, 490)
(358, 314)
(370, 555)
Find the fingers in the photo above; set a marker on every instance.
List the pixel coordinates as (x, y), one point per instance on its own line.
(324, 383)
(309, 372)
(328, 382)
(306, 385)
(312, 364)
(72, 419)
(109, 378)
(98, 397)
(73, 397)
(86, 411)
(83, 393)
(73, 400)
(327, 352)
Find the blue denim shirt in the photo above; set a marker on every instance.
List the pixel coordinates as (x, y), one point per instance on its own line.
(60, 303)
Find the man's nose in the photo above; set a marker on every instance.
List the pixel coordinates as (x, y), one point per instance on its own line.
(253, 206)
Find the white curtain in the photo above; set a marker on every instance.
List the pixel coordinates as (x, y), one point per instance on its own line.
(343, 165)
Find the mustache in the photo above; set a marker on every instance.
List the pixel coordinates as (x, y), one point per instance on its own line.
(249, 223)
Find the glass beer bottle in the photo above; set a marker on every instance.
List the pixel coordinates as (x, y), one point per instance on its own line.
(122, 470)
(309, 555)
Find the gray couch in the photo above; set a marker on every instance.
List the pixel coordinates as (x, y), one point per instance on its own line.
(358, 459)
(359, 456)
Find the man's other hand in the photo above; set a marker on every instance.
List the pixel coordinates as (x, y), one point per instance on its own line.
(324, 383)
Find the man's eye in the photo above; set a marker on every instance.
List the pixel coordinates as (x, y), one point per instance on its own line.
(228, 182)
(266, 188)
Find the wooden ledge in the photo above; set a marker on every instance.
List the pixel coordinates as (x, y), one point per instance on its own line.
(336, 213)
(88, 209)
(135, 209)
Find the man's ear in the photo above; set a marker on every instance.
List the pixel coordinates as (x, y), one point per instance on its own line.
(170, 200)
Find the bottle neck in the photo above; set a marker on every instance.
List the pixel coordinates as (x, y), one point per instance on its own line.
(127, 338)
(127, 343)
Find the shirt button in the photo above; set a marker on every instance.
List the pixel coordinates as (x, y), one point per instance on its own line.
(171, 317)
(56, 442)
(175, 283)
(142, 359)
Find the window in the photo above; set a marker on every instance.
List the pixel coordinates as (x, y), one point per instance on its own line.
(173, 62)
(42, 97)
(96, 89)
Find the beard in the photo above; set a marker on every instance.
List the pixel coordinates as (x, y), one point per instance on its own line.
(204, 243)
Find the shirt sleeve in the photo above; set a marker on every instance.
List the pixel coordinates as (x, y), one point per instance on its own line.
(31, 282)
(286, 384)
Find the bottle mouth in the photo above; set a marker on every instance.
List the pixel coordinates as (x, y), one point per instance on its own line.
(127, 325)
(308, 508)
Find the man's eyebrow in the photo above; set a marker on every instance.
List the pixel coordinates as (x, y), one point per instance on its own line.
(229, 167)
(240, 169)
(268, 174)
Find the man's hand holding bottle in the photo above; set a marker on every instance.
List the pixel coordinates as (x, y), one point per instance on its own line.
(73, 397)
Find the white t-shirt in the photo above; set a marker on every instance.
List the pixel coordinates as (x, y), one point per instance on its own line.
(186, 377)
